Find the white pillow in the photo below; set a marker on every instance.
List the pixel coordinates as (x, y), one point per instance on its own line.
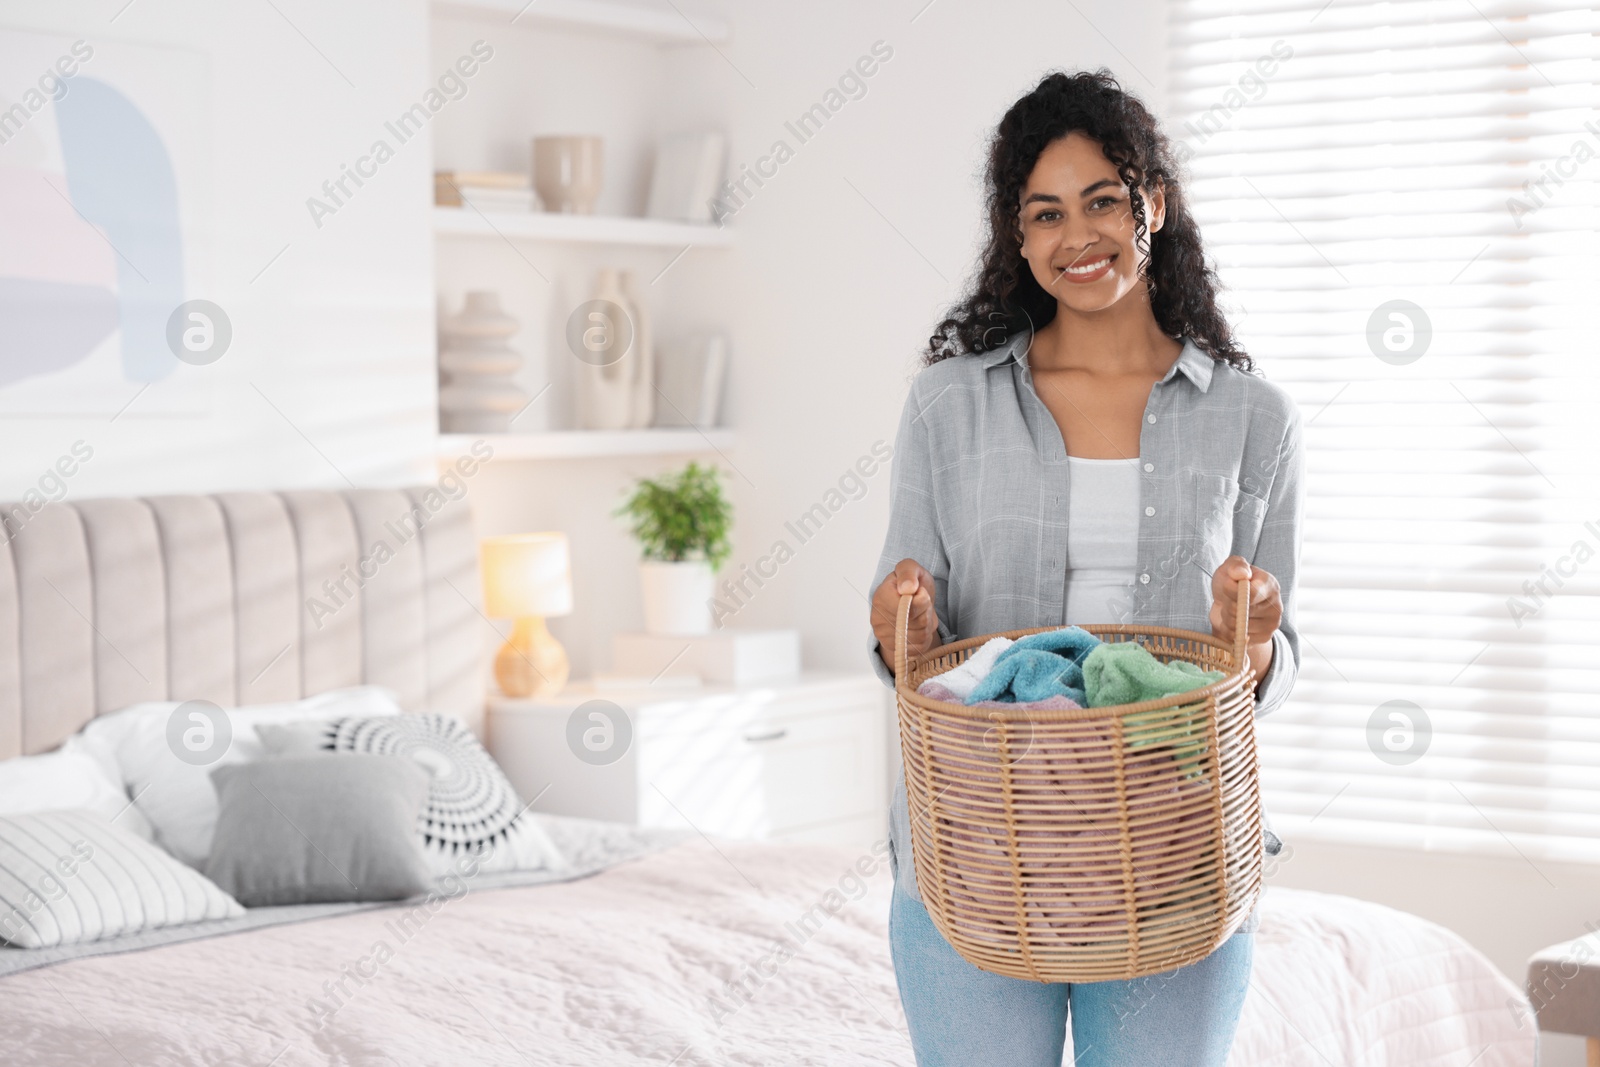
(164, 756)
(68, 778)
(70, 876)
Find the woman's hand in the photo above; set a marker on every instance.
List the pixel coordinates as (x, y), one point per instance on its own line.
(1266, 609)
(922, 628)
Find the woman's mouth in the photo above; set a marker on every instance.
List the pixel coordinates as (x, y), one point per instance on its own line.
(1092, 271)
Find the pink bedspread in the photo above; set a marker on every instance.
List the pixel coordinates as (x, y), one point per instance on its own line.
(634, 965)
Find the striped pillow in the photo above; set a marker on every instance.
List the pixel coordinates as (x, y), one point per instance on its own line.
(71, 876)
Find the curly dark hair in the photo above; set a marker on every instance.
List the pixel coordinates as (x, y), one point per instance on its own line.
(1005, 297)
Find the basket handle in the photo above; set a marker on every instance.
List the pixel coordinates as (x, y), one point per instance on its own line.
(1241, 624)
(902, 619)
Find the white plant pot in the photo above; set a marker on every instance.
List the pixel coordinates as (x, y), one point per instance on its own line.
(677, 596)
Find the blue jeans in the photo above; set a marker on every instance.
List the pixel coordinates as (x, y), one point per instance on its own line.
(962, 1016)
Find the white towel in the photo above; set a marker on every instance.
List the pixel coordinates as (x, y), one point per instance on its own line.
(964, 677)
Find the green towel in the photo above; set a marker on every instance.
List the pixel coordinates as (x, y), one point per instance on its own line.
(1124, 672)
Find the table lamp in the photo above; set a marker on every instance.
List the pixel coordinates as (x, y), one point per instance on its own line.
(528, 578)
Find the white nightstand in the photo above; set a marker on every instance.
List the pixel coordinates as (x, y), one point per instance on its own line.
(795, 760)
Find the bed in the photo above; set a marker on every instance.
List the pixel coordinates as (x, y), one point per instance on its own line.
(654, 947)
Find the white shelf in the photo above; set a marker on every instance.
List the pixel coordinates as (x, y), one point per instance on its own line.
(571, 444)
(578, 229)
(659, 23)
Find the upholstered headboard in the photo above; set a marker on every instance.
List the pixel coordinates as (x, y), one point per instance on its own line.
(237, 598)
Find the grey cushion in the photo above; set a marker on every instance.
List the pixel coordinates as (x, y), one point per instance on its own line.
(325, 827)
(472, 809)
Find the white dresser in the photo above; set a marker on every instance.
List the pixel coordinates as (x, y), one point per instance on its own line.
(796, 760)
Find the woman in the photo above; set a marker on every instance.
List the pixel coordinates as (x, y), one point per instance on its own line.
(1086, 443)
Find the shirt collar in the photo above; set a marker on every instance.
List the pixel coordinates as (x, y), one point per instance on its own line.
(1191, 361)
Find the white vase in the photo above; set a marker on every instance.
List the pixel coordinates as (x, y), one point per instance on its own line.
(643, 408)
(476, 390)
(606, 391)
(677, 596)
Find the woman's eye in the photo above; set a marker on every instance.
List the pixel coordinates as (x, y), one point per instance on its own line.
(1047, 215)
(1102, 202)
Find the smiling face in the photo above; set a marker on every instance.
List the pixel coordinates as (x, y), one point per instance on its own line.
(1077, 226)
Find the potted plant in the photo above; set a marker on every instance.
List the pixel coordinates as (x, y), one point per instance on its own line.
(681, 523)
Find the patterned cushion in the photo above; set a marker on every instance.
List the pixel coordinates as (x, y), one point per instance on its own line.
(470, 804)
(71, 876)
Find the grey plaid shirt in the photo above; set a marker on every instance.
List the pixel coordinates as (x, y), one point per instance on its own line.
(979, 497)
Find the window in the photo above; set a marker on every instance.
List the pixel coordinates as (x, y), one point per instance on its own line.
(1401, 201)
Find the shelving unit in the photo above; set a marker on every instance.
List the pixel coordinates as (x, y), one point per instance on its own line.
(578, 229)
(580, 444)
(629, 20)
(614, 54)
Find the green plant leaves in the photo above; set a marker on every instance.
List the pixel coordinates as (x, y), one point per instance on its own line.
(681, 516)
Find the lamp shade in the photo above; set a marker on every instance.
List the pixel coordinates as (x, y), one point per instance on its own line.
(527, 574)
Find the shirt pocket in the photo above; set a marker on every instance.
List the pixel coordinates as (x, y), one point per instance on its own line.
(1210, 503)
(1249, 512)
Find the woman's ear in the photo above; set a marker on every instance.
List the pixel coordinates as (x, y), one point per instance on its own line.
(1157, 201)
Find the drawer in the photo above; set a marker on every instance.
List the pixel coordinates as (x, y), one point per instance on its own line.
(764, 774)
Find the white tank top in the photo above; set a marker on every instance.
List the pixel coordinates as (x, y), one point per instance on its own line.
(1102, 539)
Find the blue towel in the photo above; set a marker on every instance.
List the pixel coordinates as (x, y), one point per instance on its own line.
(1038, 667)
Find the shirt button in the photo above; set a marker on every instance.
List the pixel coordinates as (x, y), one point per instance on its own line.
(1149, 418)
(1149, 511)
(1144, 579)
(1148, 467)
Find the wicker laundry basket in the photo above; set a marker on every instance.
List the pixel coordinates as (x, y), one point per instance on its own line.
(1083, 845)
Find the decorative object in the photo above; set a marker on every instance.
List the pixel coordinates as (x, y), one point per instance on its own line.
(85, 328)
(567, 173)
(610, 335)
(642, 406)
(688, 169)
(689, 374)
(319, 828)
(528, 577)
(730, 656)
(487, 190)
(470, 809)
(119, 883)
(681, 523)
(476, 391)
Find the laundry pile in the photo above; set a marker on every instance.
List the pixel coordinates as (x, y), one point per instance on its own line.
(1081, 889)
(1070, 663)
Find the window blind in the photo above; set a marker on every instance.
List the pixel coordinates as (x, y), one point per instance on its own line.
(1401, 201)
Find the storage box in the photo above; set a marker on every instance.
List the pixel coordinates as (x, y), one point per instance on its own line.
(723, 657)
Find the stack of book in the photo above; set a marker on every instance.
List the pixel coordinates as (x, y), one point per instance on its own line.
(486, 190)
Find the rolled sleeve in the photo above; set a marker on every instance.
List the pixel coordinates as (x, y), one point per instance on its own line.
(1278, 552)
(913, 522)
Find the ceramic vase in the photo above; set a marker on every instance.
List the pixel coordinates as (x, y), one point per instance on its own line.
(476, 365)
(567, 173)
(643, 407)
(605, 375)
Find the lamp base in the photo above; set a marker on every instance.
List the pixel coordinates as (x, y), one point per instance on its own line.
(532, 663)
